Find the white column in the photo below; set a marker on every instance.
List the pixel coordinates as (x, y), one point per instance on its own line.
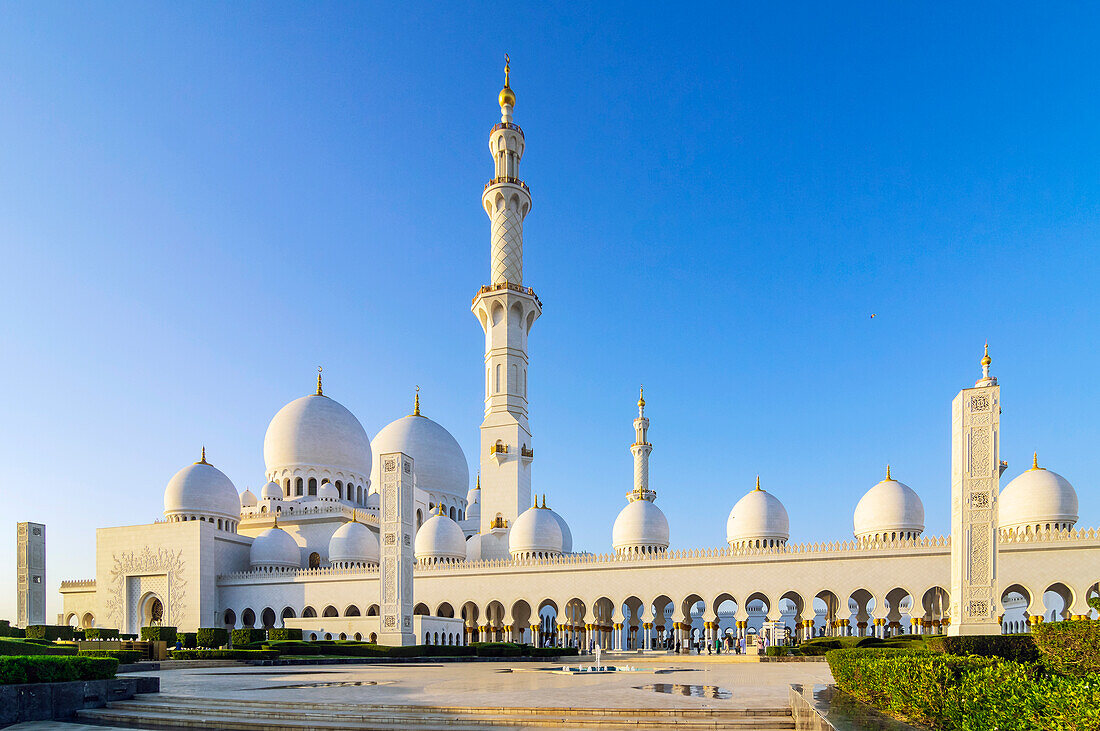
(396, 569)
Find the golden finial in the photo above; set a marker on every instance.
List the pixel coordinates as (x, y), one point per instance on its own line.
(507, 96)
(354, 517)
(275, 515)
(986, 360)
(478, 485)
(544, 500)
(416, 402)
(202, 460)
(641, 396)
(758, 484)
(888, 477)
(319, 392)
(1035, 462)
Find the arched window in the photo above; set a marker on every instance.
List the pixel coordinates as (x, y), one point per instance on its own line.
(359, 494)
(286, 487)
(309, 612)
(452, 512)
(340, 489)
(313, 486)
(314, 560)
(298, 485)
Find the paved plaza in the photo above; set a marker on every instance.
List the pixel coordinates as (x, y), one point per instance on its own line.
(690, 683)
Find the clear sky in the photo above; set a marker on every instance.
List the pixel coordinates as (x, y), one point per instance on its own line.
(200, 203)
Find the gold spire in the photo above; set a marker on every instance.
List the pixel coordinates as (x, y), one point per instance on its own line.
(1035, 462)
(202, 460)
(758, 484)
(353, 516)
(416, 403)
(507, 96)
(319, 391)
(478, 485)
(986, 360)
(544, 500)
(641, 397)
(888, 477)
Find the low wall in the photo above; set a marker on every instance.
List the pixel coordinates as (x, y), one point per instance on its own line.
(61, 701)
(825, 708)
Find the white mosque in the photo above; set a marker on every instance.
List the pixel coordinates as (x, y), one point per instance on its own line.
(494, 564)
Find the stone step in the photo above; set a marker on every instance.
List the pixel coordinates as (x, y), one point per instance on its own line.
(179, 712)
(228, 721)
(155, 701)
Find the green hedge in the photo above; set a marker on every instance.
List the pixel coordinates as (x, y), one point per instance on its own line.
(247, 636)
(100, 633)
(49, 632)
(20, 647)
(497, 649)
(1018, 648)
(124, 657)
(211, 637)
(159, 634)
(1071, 648)
(279, 634)
(970, 693)
(223, 654)
(188, 639)
(55, 669)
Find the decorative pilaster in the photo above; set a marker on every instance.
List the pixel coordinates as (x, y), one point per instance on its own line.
(975, 481)
(396, 570)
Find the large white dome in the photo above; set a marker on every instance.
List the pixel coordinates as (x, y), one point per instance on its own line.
(890, 510)
(535, 533)
(1037, 500)
(353, 543)
(201, 490)
(758, 519)
(566, 534)
(438, 461)
(274, 549)
(316, 431)
(439, 539)
(640, 527)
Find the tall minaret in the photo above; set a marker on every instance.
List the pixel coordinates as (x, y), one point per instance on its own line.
(641, 449)
(506, 310)
(975, 482)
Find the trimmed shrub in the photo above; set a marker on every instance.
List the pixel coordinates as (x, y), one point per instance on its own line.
(49, 632)
(223, 654)
(247, 636)
(55, 669)
(497, 649)
(210, 637)
(1018, 648)
(100, 633)
(553, 651)
(187, 639)
(159, 634)
(124, 657)
(284, 633)
(10, 646)
(127, 637)
(1071, 648)
(972, 692)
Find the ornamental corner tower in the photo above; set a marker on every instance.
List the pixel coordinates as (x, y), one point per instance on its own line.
(506, 310)
(975, 484)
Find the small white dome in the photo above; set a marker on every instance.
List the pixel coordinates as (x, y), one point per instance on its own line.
(439, 539)
(889, 510)
(1037, 499)
(758, 516)
(473, 508)
(274, 549)
(201, 489)
(474, 493)
(328, 491)
(271, 491)
(473, 547)
(248, 499)
(535, 533)
(316, 431)
(374, 500)
(438, 460)
(353, 543)
(641, 526)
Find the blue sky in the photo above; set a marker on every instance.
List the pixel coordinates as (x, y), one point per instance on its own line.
(201, 203)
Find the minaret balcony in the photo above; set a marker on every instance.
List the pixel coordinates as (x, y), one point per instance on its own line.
(526, 453)
(507, 179)
(498, 452)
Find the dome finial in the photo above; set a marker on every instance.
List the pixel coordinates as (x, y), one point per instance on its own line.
(641, 400)
(202, 460)
(507, 97)
(888, 477)
(416, 402)
(319, 391)
(478, 485)
(1035, 461)
(758, 484)
(544, 500)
